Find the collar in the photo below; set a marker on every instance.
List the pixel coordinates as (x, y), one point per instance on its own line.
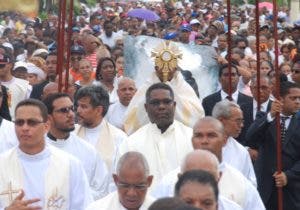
(233, 95)
(50, 136)
(263, 106)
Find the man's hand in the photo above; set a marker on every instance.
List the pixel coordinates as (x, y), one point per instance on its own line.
(280, 179)
(276, 107)
(20, 204)
(253, 154)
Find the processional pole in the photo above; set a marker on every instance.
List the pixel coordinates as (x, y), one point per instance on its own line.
(257, 54)
(229, 48)
(277, 95)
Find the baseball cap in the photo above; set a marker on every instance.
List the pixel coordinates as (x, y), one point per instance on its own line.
(185, 27)
(77, 49)
(194, 21)
(170, 35)
(75, 29)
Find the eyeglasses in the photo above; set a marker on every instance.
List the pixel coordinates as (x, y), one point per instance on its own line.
(65, 110)
(157, 102)
(296, 71)
(127, 186)
(29, 122)
(78, 58)
(227, 74)
(2, 66)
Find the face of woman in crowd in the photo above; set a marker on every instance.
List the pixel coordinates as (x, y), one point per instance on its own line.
(265, 68)
(108, 71)
(85, 69)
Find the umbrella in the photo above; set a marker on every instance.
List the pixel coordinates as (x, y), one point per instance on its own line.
(268, 5)
(144, 14)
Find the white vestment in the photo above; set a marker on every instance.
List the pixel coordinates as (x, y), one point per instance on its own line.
(111, 202)
(232, 185)
(53, 176)
(188, 106)
(163, 151)
(8, 137)
(94, 166)
(106, 138)
(116, 114)
(238, 157)
(226, 204)
(18, 90)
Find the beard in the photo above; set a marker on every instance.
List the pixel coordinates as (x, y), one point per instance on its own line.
(67, 129)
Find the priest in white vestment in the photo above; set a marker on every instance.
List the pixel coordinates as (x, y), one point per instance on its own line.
(231, 116)
(8, 138)
(164, 141)
(232, 184)
(189, 108)
(132, 180)
(116, 112)
(37, 174)
(61, 116)
(92, 105)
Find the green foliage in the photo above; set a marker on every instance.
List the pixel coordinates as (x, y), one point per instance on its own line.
(91, 3)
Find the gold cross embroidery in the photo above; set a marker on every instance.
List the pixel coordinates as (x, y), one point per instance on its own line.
(55, 202)
(10, 192)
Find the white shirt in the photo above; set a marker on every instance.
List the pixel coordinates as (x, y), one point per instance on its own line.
(263, 107)
(226, 204)
(116, 114)
(8, 137)
(94, 166)
(110, 41)
(234, 95)
(237, 156)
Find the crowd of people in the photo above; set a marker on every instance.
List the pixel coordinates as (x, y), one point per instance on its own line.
(102, 142)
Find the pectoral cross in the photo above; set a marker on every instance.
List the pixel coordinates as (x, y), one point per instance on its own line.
(10, 192)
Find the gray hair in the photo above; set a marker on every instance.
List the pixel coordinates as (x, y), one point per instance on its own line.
(223, 109)
(251, 39)
(124, 79)
(208, 119)
(265, 77)
(133, 160)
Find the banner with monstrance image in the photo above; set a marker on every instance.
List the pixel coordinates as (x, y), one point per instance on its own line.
(198, 59)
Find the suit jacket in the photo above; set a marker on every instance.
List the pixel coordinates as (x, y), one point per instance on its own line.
(37, 90)
(210, 101)
(263, 133)
(247, 109)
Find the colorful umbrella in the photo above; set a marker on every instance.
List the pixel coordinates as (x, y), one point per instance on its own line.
(144, 14)
(268, 5)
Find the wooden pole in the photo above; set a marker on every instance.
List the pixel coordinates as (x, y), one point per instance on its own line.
(229, 47)
(278, 130)
(257, 54)
(70, 22)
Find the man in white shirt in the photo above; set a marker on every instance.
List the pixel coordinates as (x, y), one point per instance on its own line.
(132, 180)
(109, 37)
(62, 122)
(17, 89)
(92, 104)
(164, 141)
(236, 155)
(35, 175)
(116, 112)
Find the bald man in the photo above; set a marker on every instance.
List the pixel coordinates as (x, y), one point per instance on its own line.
(116, 112)
(132, 180)
(209, 134)
(50, 88)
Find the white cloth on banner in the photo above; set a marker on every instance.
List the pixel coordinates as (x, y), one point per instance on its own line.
(94, 166)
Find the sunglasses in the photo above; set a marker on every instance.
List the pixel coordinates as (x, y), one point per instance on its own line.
(296, 71)
(29, 122)
(65, 110)
(2, 65)
(76, 58)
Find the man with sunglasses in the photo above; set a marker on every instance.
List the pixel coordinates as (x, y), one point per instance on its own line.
(62, 122)
(164, 141)
(132, 179)
(17, 89)
(35, 175)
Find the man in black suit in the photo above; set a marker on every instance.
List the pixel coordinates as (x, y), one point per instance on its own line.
(250, 109)
(209, 101)
(263, 133)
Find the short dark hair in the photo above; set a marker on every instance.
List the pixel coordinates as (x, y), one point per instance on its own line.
(34, 102)
(97, 94)
(170, 203)
(286, 86)
(48, 101)
(225, 66)
(99, 66)
(199, 176)
(157, 86)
